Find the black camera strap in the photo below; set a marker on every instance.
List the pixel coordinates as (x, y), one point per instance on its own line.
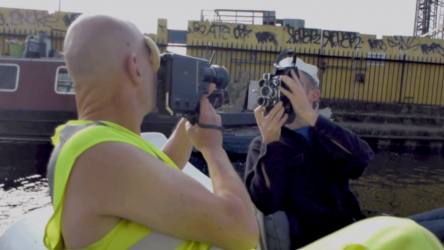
(195, 120)
(211, 127)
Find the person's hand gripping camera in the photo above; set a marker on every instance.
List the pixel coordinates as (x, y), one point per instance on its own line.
(206, 137)
(270, 125)
(299, 98)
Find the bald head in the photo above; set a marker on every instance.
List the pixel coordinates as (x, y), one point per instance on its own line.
(110, 63)
(96, 47)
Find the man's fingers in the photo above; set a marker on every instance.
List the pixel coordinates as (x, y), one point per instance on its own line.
(206, 109)
(283, 120)
(285, 92)
(211, 88)
(295, 78)
(278, 117)
(258, 113)
(274, 110)
(289, 82)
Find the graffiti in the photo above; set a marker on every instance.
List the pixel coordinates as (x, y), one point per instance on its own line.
(266, 37)
(69, 19)
(377, 45)
(35, 19)
(304, 36)
(241, 32)
(433, 48)
(218, 31)
(162, 27)
(32, 17)
(199, 28)
(342, 39)
(403, 43)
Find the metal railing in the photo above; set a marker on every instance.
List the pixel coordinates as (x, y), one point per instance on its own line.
(258, 17)
(352, 76)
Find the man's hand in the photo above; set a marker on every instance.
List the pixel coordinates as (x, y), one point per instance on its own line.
(298, 98)
(204, 138)
(179, 147)
(270, 125)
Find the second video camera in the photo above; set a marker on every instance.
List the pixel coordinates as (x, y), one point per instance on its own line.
(269, 93)
(182, 80)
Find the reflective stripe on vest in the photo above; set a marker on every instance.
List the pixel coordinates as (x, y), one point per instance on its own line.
(154, 240)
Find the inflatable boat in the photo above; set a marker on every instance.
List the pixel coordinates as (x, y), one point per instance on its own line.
(379, 233)
(28, 232)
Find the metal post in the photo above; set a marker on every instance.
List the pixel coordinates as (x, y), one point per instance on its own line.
(402, 79)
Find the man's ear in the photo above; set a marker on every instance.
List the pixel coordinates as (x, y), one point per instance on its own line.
(133, 69)
(314, 95)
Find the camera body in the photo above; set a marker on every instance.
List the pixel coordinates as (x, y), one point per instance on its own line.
(269, 93)
(181, 82)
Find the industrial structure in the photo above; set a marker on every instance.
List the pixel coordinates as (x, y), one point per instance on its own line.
(429, 19)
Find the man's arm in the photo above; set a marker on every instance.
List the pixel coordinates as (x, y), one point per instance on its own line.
(124, 181)
(265, 174)
(179, 147)
(350, 153)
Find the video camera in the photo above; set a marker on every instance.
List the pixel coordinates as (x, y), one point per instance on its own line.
(181, 82)
(270, 95)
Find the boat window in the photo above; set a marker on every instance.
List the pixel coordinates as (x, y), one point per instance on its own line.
(9, 77)
(64, 84)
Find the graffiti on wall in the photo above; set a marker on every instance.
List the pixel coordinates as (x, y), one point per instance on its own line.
(217, 31)
(303, 36)
(341, 39)
(377, 45)
(433, 48)
(266, 37)
(407, 45)
(235, 33)
(35, 19)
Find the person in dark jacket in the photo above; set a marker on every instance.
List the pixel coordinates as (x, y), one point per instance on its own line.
(304, 168)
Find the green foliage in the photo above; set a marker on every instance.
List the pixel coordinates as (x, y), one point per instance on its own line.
(240, 83)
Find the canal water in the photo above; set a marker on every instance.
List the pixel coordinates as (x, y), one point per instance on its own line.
(399, 182)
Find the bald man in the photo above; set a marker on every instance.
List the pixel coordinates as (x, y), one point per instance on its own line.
(113, 190)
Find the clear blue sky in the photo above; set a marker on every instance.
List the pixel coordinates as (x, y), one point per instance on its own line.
(378, 17)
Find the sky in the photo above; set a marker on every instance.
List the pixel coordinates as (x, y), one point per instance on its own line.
(373, 17)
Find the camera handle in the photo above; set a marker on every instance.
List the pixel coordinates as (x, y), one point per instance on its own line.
(194, 119)
(282, 55)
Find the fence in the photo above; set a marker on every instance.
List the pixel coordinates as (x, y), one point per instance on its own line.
(56, 36)
(369, 77)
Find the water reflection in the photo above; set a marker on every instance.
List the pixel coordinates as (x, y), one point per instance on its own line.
(399, 182)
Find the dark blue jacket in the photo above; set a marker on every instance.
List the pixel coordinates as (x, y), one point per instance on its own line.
(309, 183)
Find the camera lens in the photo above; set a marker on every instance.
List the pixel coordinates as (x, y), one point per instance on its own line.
(262, 83)
(216, 74)
(263, 101)
(268, 91)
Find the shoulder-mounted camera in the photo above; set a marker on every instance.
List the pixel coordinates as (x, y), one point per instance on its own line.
(181, 82)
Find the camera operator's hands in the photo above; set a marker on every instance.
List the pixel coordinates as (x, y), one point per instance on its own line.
(298, 98)
(270, 125)
(204, 138)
